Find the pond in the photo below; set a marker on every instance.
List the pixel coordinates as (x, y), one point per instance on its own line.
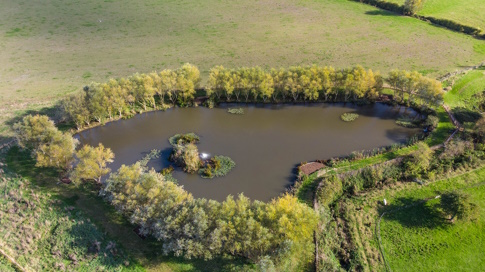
(266, 142)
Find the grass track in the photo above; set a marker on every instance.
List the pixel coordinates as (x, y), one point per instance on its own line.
(53, 47)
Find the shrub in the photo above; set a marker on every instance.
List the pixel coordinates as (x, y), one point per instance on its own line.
(330, 190)
(218, 166)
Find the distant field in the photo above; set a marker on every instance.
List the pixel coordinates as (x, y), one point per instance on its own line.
(464, 88)
(468, 12)
(53, 47)
(419, 239)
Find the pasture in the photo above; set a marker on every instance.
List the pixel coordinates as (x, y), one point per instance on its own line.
(51, 48)
(468, 12)
(419, 238)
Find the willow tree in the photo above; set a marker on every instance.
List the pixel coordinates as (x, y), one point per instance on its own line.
(188, 78)
(49, 146)
(93, 163)
(168, 81)
(76, 109)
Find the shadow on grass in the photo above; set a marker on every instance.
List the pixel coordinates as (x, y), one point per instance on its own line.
(380, 12)
(412, 213)
(463, 115)
(85, 198)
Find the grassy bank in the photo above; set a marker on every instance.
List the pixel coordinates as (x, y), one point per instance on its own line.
(53, 48)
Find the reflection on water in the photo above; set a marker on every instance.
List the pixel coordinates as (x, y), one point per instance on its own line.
(266, 142)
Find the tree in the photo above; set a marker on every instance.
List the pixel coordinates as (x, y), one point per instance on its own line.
(92, 163)
(188, 78)
(419, 161)
(58, 152)
(412, 7)
(49, 146)
(169, 85)
(458, 204)
(34, 131)
(75, 107)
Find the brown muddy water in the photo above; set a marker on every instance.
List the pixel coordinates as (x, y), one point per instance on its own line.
(266, 142)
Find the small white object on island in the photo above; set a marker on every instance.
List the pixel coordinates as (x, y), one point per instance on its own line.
(385, 202)
(204, 156)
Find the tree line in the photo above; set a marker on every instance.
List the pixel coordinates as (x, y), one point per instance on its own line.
(123, 97)
(201, 228)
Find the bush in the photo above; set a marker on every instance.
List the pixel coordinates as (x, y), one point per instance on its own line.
(330, 190)
(183, 139)
(218, 166)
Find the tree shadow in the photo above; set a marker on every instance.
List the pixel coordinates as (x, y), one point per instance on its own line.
(413, 213)
(464, 115)
(380, 12)
(54, 112)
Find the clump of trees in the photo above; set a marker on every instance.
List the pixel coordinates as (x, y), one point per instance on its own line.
(53, 148)
(101, 101)
(293, 84)
(204, 228)
(140, 92)
(418, 88)
(49, 146)
(185, 153)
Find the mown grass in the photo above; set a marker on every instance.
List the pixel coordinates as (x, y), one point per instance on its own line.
(468, 12)
(465, 88)
(419, 238)
(54, 47)
(146, 253)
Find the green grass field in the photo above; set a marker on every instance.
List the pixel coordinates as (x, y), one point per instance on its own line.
(464, 88)
(468, 12)
(420, 239)
(51, 48)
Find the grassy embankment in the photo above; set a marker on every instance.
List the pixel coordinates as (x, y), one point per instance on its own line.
(468, 12)
(145, 253)
(53, 48)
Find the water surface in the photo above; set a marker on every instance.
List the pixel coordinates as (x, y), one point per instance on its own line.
(266, 142)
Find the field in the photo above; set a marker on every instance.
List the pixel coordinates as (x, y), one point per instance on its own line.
(464, 88)
(468, 12)
(420, 239)
(51, 48)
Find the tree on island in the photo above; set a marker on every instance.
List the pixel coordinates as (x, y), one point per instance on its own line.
(92, 163)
